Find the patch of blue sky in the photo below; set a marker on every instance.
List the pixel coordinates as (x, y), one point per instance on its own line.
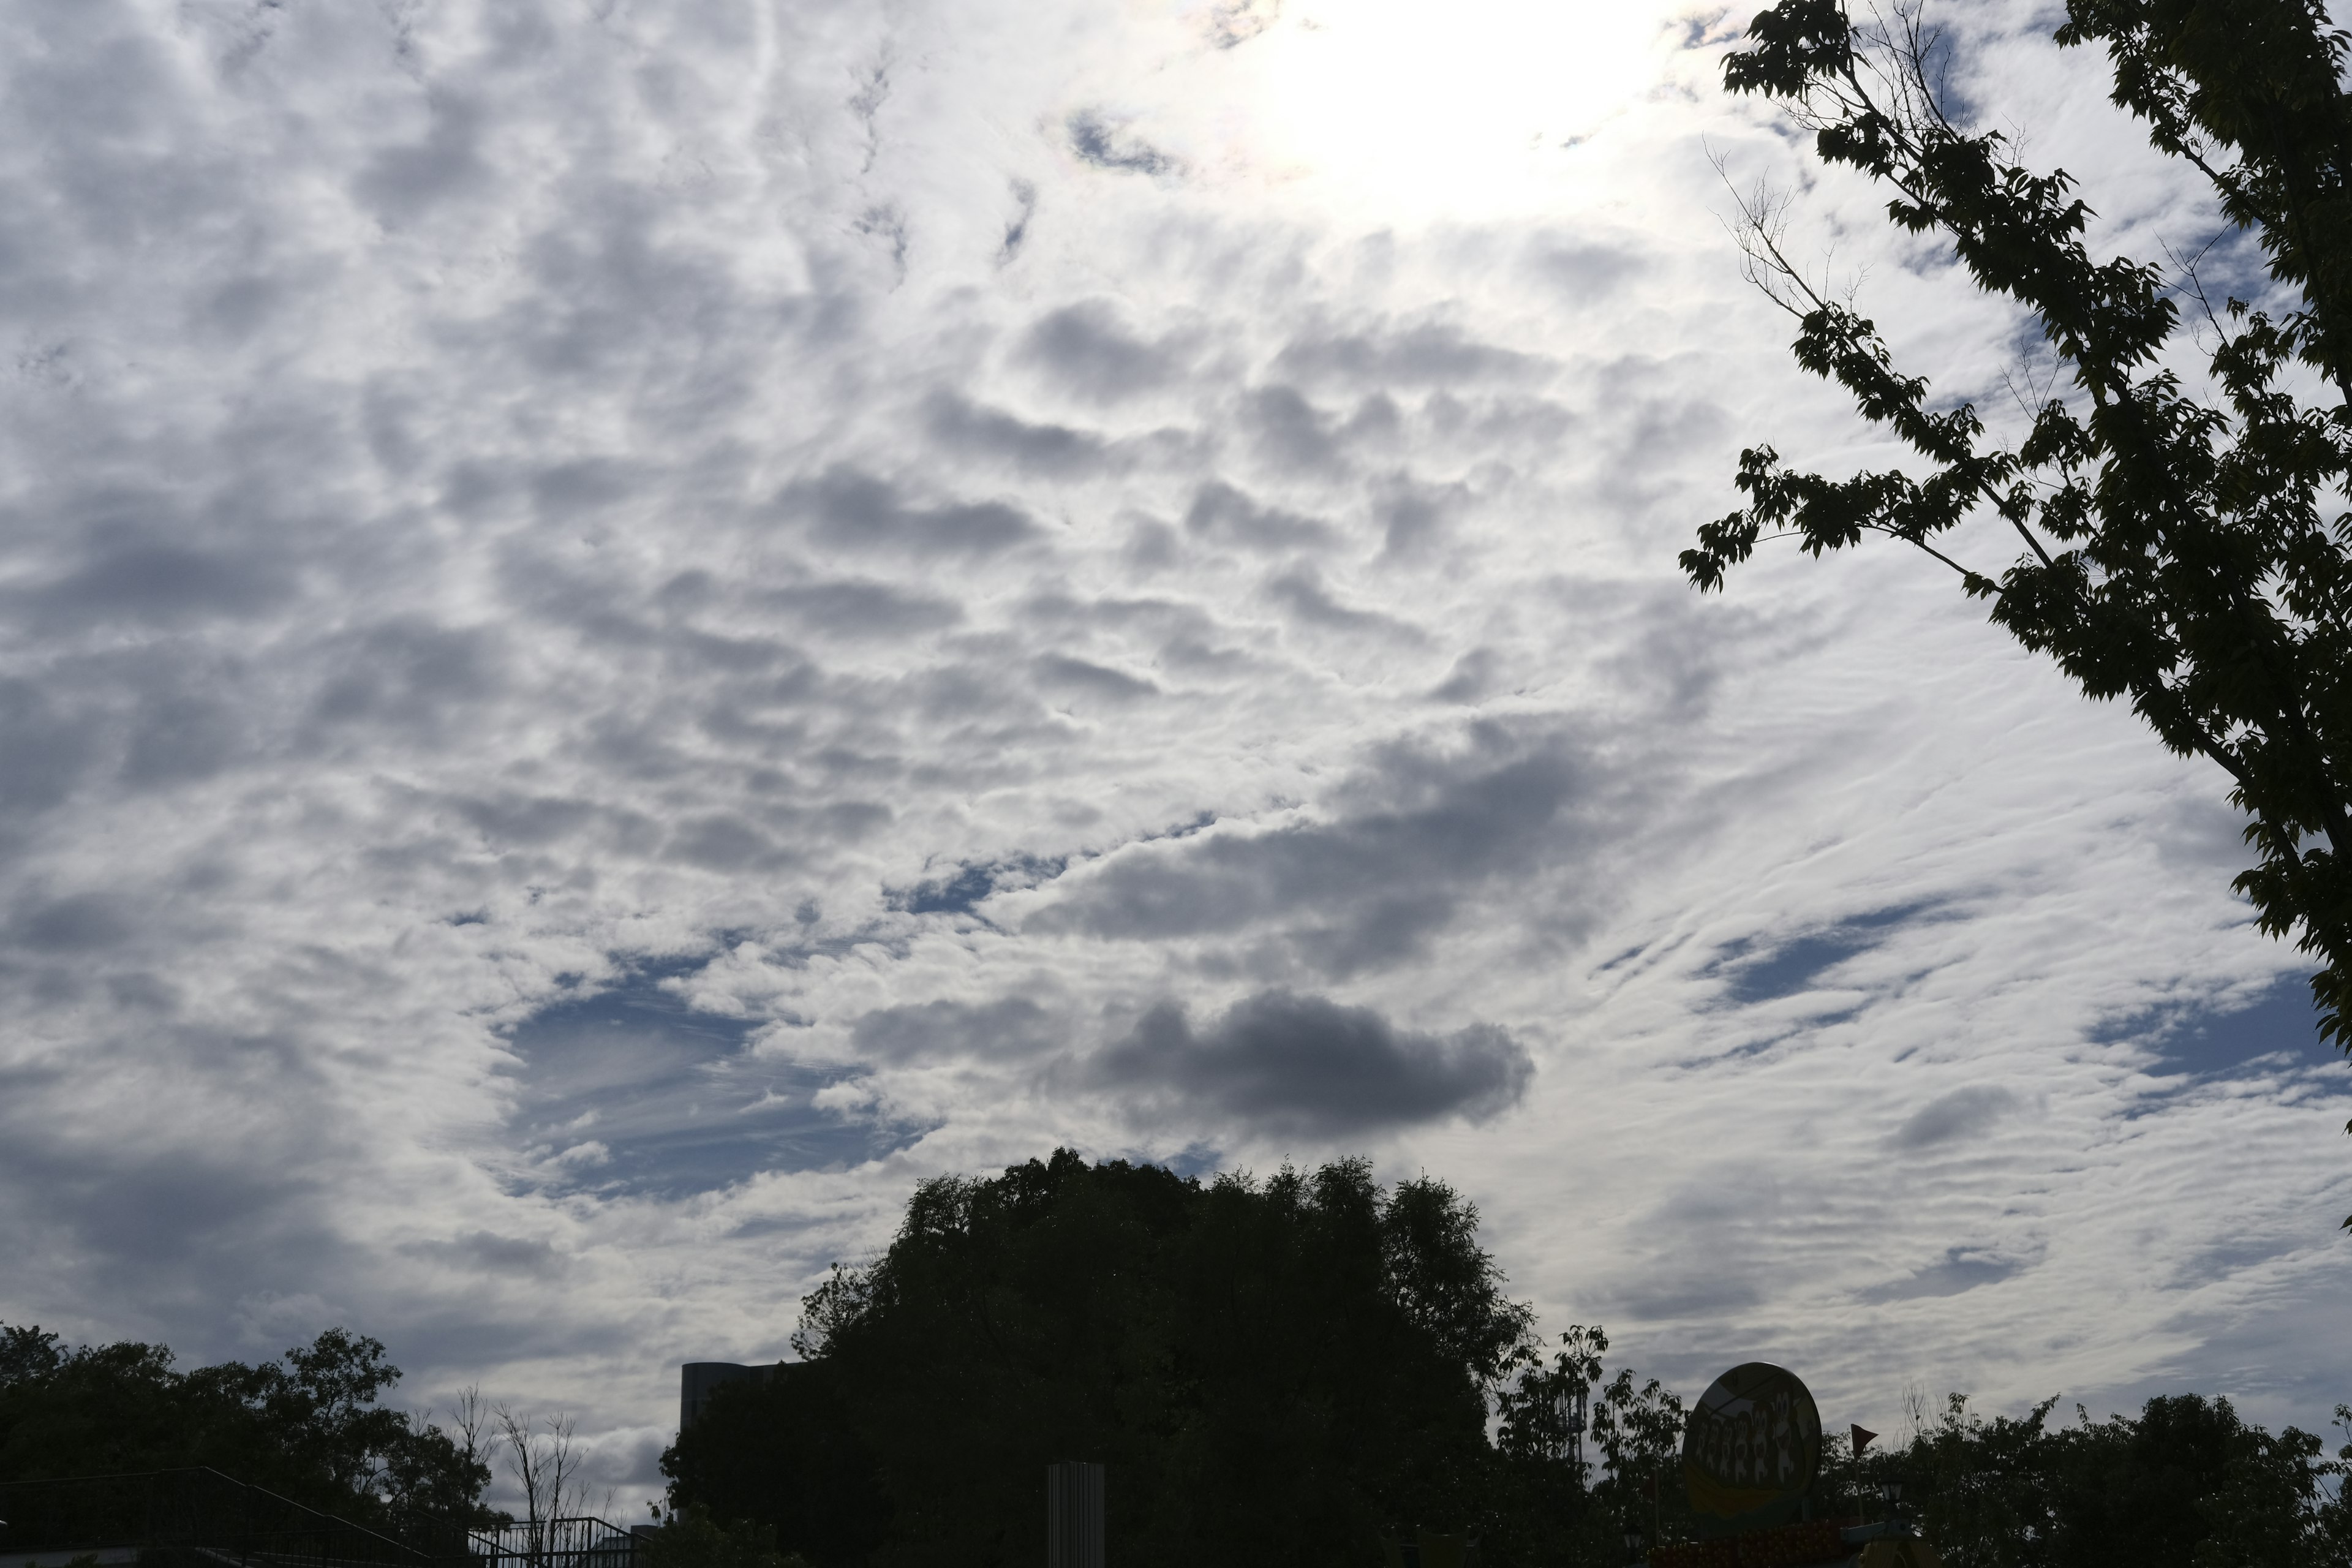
(1202, 1160)
(1796, 966)
(2279, 1029)
(628, 1089)
(972, 882)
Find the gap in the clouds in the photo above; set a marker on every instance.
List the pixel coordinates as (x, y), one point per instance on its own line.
(2207, 1043)
(1192, 1160)
(973, 882)
(1961, 1270)
(1790, 968)
(631, 1090)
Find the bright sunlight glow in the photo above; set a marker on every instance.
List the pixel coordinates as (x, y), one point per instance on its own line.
(1430, 109)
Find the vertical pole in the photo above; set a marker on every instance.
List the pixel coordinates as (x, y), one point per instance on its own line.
(1074, 1514)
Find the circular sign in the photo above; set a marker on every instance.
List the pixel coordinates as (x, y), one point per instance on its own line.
(1751, 1448)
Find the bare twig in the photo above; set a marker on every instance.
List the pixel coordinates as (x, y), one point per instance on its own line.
(544, 1462)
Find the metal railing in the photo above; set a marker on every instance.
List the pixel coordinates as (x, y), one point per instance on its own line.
(202, 1517)
(194, 1512)
(578, 1542)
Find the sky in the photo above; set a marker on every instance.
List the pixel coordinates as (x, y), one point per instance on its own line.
(628, 625)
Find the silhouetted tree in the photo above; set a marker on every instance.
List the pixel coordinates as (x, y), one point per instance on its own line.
(1540, 1511)
(308, 1426)
(2184, 546)
(1274, 1370)
(692, 1538)
(1638, 1426)
(2184, 1484)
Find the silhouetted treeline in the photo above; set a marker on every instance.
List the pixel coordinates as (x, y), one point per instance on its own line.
(2184, 1484)
(1284, 1371)
(307, 1427)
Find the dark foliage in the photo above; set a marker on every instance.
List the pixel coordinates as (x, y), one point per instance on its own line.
(307, 1427)
(785, 1454)
(1288, 1371)
(692, 1538)
(2186, 546)
(2184, 1484)
(1279, 1371)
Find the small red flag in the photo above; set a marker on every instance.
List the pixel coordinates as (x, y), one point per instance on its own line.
(1863, 1437)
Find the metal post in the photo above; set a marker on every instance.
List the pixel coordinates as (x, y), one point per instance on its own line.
(1074, 1514)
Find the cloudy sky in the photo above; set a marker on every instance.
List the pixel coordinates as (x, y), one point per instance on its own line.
(627, 624)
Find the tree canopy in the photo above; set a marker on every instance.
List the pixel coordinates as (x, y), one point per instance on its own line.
(2184, 538)
(307, 1425)
(1288, 1370)
(2184, 1484)
(1282, 1370)
(1279, 1370)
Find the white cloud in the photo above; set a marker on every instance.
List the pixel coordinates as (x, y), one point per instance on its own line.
(701, 570)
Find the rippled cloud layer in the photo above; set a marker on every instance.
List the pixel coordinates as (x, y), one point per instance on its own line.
(625, 626)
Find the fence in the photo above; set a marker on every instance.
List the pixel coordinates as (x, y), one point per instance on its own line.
(581, 1542)
(207, 1520)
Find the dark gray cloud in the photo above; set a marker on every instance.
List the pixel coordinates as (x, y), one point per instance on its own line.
(46, 747)
(1585, 272)
(1473, 677)
(1429, 354)
(184, 727)
(78, 923)
(1683, 1291)
(408, 674)
(1712, 1244)
(1301, 591)
(957, 422)
(1013, 1028)
(1961, 1270)
(725, 841)
(852, 509)
(1290, 433)
(1282, 1065)
(1221, 512)
(127, 575)
(402, 184)
(859, 607)
(175, 1204)
(513, 820)
(1960, 1113)
(1079, 676)
(487, 1252)
(1414, 833)
(1412, 514)
(1088, 348)
(567, 491)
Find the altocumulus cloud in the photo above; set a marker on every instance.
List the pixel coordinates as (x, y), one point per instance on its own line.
(1415, 836)
(1287, 1066)
(622, 627)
